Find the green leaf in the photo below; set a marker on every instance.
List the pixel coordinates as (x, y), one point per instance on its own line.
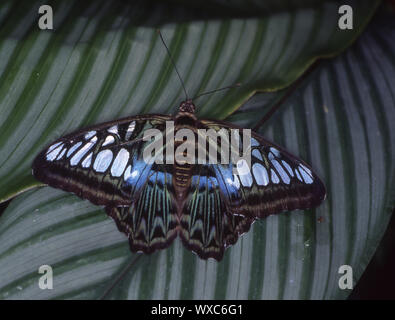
(339, 121)
(104, 60)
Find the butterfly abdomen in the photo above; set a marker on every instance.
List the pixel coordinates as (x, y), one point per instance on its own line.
(183, 166)
(182, 179)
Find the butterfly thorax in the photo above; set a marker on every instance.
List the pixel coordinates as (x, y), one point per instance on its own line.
(184, 119)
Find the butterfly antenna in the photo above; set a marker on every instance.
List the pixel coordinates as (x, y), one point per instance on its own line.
(216, 90)
(174, 64)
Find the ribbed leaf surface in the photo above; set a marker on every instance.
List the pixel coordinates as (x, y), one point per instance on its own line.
(339, 120)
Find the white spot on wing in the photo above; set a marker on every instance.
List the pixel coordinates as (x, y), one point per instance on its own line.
(254, 142)
(306, 169)
(288, 167)
(257, 154)
(284, 176)
(306, 177)
(113, 130)
(103, 160)
(89, 134)
(53, 146)
(54, 152)
(275, 178)
(244, 173)
(298, 175)
(80, 153)
(61, 154)
(135, 173)
(130, 130)
(109, 139)
(73, 148)
(120, 162)
(275, 152)
(260, 174)
(86, 163)
(126, 175)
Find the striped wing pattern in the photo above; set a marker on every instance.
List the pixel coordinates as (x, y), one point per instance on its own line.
(207, 227)
(151, 221)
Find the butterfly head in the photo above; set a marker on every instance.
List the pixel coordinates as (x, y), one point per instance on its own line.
(187, 106)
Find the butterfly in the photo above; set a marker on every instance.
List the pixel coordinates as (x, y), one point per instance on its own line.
(208, 205)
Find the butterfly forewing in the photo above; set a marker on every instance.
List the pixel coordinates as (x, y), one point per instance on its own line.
(274, 182)
(97, 163)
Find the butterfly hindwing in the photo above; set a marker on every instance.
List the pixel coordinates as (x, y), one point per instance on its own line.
(276, 181)
(206, 225)
(96, 162)
(150, 222)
